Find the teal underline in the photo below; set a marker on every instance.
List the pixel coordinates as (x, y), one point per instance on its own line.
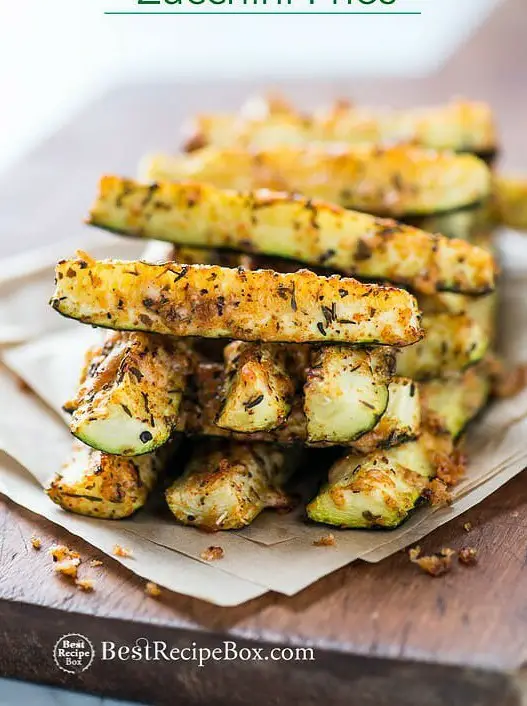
(248, 12)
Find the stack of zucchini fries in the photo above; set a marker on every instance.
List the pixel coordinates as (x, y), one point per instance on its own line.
(294, 312)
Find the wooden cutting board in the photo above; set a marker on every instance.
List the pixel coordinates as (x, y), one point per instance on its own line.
(382, 634)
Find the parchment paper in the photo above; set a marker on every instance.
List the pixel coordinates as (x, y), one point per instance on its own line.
(276, 552)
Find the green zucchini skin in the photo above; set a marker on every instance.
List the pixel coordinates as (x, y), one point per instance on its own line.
(293, 227)
(129, 398)
(226, 485)
(346, 392)
(377, 491)
(382, 488)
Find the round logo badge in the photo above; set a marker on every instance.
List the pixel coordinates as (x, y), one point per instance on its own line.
(73, 653)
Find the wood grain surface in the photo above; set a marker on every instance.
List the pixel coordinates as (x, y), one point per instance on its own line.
(383, 634)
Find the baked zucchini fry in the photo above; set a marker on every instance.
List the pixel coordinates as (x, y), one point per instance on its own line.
(293, 227)
(450, 405)
(346, 392)
(462, 224)
(258, 390)
(510, 201)
(129, 399)
(452, 342)
(401, 422)
(398, 181)
(460, 125)
(481, 310)
(377, 491)
(97, 484)
(202, 402)
(218, 302)
(226, 485)
(381, 490)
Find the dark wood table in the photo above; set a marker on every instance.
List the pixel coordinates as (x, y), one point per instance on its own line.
(383, 634)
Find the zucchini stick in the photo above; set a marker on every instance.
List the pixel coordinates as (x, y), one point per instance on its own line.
(290, 226)
(226, 485)
(481, 310)
(452, 342)
(459, 125)
(463, 223)
(346, 392)
(258, 390)
(450, 405)
(377, 491)
(218, 302)
(97, 484)
(401, 422)
(400, 182)
(128, 401)
(201, 404)
(510, 201)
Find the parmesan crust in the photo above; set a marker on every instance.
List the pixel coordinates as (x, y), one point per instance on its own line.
(220, 302)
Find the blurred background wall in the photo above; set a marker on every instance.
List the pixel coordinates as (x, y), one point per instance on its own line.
(57, 55)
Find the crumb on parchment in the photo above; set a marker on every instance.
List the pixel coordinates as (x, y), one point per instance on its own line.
(468, 556)
(451, 467)
(152, 589)
(212, 553)
(433, 564)
(36, 542)
(95, 562)
(122, 552)
(86, 585)
(327, 540)
(467, 526)
(437, 493)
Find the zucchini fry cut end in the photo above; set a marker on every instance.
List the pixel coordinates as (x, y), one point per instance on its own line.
(346, 392)
(257, 391)
(129, 400)
(377, 491)
(381, 489)
(97, 484)
(226, 485)
(401, 421)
